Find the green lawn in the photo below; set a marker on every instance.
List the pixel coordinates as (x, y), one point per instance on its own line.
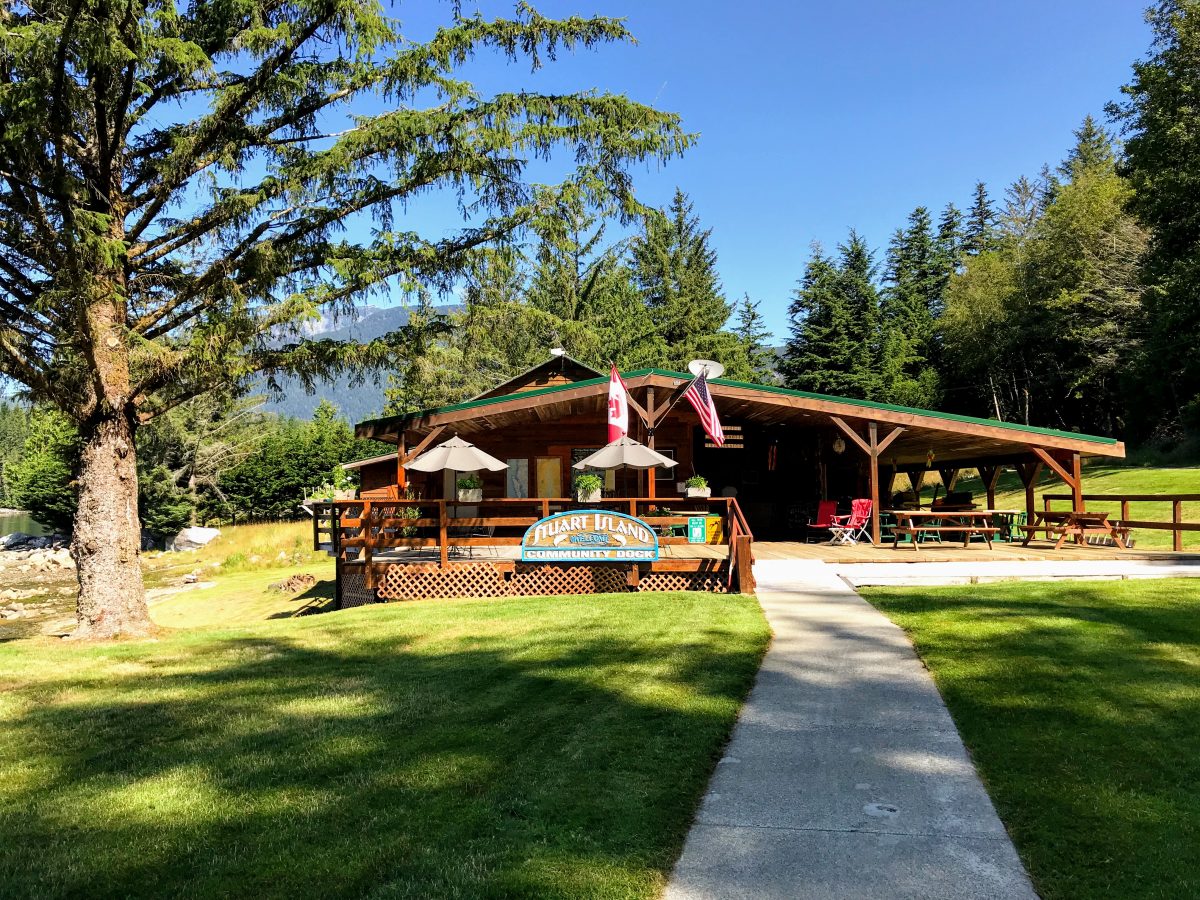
(1102, 479)
(529, 747)
(1080, 703)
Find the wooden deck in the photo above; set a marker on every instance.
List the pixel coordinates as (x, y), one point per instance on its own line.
(953, 551)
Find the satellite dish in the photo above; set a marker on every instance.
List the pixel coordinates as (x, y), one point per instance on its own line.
(706, 367)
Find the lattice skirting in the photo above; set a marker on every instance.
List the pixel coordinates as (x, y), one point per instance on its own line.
(711, 582)
(428, 581)
(353, 590)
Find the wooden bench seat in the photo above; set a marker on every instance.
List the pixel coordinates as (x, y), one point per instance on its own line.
(974, 529)
(965, 530)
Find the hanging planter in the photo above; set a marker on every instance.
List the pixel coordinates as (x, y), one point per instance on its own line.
(697, 486)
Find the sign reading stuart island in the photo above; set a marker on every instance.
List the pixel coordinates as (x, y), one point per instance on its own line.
(589, 535)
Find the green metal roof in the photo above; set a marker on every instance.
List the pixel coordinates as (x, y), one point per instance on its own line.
(766, 389)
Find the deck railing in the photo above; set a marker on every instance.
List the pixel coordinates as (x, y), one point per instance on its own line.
(1177, 525)
(364, 528)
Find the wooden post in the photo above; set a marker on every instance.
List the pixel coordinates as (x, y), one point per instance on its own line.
(1029, 474)
(401, 459)
(1177, 518)
(989, 475)
(873, 462)
(873, 447)
(365, 531)
(745, 564)
(949, 478)
(650, 423)
(1077, 504)
(917, 481)
(442, 535)
(1125, 517)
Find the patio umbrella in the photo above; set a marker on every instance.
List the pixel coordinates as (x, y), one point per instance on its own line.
(625, 453)
(458, 455)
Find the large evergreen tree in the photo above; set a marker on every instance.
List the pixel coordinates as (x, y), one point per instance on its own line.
(834, 321)
(916, 272)
(752, 331)
(979, 232)
(184, 187)
(1162, 163)
(675, 268)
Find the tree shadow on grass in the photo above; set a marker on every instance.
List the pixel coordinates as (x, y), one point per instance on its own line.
(317, 599)
(562, 762)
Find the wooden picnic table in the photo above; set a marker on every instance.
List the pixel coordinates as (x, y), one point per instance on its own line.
(967, 522)
(1072, 524)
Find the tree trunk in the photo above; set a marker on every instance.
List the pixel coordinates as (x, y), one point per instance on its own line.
(108, 534)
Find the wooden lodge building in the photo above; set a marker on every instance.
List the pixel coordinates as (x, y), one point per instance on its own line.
(785, 451)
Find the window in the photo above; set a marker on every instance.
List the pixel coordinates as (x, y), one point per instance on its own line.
(664, 474)
(518, 478)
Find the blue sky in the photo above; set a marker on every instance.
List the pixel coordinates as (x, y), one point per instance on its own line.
(816, 116)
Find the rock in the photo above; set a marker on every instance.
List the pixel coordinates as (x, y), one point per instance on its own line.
(14, 541)
(191, 578)
(60, 558)
(295, 584)
(193, 538)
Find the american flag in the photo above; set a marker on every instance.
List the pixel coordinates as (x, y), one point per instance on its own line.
(697, 394)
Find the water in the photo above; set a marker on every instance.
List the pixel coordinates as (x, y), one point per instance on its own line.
(20, 521)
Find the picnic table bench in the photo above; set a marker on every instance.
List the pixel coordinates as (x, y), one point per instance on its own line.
(967, 522)
(1072, 524)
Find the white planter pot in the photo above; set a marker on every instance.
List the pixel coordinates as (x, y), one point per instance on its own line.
(474, 495)
(699, 492)
(589, 497)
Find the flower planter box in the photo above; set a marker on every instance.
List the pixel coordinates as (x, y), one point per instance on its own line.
(699, 492)
(470, 495)
(588, 496)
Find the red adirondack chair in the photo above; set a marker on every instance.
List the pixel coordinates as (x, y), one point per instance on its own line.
(825, 513)
(848, 529)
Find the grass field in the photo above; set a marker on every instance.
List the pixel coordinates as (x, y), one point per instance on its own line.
(1102, 479)
(1080, 703)
(529, 747)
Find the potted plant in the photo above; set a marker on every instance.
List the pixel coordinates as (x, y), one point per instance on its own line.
(697, 486)
(587, 487)
(470, 489)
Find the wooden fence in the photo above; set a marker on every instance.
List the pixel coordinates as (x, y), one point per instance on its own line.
(363, 529)
(1177, 525)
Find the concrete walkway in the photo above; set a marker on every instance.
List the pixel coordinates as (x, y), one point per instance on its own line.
(845, 776)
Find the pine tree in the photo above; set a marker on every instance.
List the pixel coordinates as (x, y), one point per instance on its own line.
(752, 331)
(674, 266)
(572, 267)
(1093, 151)
(820, 350)
(1022, 206)
(979, 232)
(835, 325)
(916, 273)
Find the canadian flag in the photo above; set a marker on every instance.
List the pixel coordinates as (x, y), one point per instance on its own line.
(618, 407)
